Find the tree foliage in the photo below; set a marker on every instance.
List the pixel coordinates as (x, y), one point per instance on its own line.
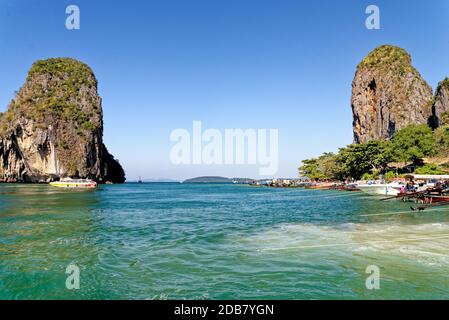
(369, 160)
(413, 143)
(358, 159)
(441, 137)
(430, 168)
(325, 167)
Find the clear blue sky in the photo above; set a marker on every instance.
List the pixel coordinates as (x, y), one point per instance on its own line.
(229, 63)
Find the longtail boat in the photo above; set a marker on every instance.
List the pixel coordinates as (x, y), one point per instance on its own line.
(432, 197)
(436, 199)
(346, 187)
(406, 196)
(431, 205)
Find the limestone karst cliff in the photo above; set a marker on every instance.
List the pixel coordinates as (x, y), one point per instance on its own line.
(440, 106)
(54, 127)
(388, 94)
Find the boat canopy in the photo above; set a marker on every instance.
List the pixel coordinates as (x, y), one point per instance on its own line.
(429, 176)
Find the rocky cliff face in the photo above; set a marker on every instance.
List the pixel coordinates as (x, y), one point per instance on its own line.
(54, 127)
(388, 94)
(441, 105)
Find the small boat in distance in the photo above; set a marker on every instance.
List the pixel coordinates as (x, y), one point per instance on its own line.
(74, 183)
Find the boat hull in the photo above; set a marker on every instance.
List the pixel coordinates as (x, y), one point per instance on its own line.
(436, 199)
(379, 190)
(74, 185)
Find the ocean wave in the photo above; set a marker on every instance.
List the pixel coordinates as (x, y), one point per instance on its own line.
(424, 243)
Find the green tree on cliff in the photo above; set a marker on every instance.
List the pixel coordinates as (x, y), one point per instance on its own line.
(430, 168)
(441, 136)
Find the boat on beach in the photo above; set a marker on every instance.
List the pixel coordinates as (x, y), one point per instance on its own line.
(74, 183)
(390, 189)
(428, 190)
(436, 199)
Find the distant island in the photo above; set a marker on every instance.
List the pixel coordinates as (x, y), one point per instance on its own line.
(208, 179)
(218, 179)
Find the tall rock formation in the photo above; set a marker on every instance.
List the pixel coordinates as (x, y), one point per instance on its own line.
(54, 127)
(440, 107)
(388, 94)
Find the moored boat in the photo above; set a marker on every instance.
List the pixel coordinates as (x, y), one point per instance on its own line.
(436, 199)
(391, 189)
(74, 183)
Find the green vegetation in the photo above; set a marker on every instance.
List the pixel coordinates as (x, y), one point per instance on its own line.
(441, 136)
(389, 57)
(371, 176)
(430, 168)
(444, 121)
(413, 143)
(325, 167)
(390, 175)
(56, 89)
(358, 159)
(354, 161)
(369, 160)
(445, 83)
(375, 175)
(69, 68)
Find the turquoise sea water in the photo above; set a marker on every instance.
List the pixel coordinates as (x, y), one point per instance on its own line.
(194, 241)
